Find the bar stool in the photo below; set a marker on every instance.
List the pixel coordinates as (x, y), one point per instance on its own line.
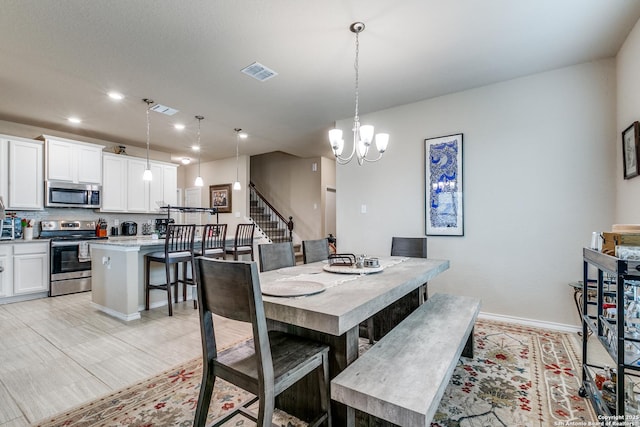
(213, 241)
(243, 242)
(178, 248)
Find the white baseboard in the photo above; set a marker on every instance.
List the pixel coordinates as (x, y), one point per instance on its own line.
(116, 314)
(530, 322)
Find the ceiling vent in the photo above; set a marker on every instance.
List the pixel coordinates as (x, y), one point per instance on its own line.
(259, 71)
(159, 108)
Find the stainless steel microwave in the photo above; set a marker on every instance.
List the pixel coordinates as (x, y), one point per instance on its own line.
(68, 195)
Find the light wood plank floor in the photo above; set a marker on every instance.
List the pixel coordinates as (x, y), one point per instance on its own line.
(57, 353)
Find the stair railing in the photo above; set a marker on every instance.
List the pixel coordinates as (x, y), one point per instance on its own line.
(260, 202)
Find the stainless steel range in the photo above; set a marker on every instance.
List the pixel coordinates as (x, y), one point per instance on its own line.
(70, 257)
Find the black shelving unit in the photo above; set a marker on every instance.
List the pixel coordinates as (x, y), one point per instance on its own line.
(617, 282)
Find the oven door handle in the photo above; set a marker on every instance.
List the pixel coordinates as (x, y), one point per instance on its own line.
(62, 243)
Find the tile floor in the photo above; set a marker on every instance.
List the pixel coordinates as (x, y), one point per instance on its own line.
(57, 353)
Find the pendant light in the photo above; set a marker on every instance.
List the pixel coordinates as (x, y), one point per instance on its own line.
(199, 182)
(243, 135)
(148, 176)
(362, 134)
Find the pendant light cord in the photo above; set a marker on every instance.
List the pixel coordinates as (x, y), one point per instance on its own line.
(237, 153)
(148, 135)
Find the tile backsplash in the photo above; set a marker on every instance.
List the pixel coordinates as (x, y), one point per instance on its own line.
(86, 215)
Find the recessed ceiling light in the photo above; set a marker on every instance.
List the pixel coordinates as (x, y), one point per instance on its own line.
(195, 148)
(179, 126)
(74, 120)
(116, 95)
(243, 135)
(186, 160)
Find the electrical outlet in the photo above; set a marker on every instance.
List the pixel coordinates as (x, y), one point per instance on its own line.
(116, 222)
(363, 209)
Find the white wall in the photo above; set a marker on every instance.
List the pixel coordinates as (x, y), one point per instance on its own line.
(221, 172)
(538, 179)
(628, 103)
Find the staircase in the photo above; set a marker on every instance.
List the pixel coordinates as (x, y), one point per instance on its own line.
(273, 224)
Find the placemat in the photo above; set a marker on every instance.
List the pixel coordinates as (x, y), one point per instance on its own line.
(292, 288)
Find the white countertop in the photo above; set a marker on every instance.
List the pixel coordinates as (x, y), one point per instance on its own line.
(20, 241)
(130, 241)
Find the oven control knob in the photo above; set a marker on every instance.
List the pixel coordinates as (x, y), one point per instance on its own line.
(1, 269)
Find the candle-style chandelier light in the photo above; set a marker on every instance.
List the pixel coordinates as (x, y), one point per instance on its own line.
(362, 134)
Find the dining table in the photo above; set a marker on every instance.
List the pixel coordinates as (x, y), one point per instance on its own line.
(327, 303)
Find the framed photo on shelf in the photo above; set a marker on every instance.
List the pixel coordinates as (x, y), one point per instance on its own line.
(443, 186)
(630, 138)
(220, 197)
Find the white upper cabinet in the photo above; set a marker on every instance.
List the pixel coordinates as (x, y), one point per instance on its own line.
(170, 184)
(124, 190)
(137, 188)
(114, 187)
(4, 170)
(25, 175)
(164, 185)
(21, 181)
(73, 161)
(89, 164)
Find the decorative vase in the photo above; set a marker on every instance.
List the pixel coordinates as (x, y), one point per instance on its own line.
(27, 233)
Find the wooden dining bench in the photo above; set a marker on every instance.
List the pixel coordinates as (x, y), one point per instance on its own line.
(402, 378)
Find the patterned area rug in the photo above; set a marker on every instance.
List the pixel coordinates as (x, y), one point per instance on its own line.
(520, 376)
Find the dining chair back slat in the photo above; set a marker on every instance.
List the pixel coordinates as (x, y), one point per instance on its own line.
(414, 247)
(315, 250)
(276, 255)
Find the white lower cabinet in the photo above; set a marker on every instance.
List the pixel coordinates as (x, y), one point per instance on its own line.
(25, 269)
(6, 271)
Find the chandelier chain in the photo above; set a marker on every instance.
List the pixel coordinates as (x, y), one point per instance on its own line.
(357, 68)
(363, 135)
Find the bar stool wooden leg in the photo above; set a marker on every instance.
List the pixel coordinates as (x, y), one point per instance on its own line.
(146, 283)
(193, 274)
(167, 269)
(184, 281)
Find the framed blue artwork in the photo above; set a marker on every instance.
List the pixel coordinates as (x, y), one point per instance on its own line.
(443, 186)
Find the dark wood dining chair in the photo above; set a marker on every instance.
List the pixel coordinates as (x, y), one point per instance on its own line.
(178, 248)
(265, 365)
(276, 255)
(413, 247)
(382, 322)
(315, 250)
(213, 241)
(243, 242)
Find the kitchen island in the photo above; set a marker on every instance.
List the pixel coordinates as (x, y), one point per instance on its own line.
(118, 275)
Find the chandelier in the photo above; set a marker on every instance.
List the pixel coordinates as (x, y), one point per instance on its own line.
(362, 134)
(199, 182)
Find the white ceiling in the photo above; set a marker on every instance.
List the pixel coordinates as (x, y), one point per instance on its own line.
(59, 58)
